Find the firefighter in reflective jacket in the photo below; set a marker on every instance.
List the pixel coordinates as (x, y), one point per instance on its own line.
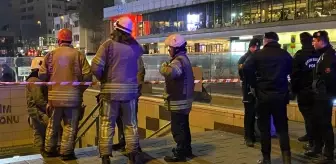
(115, 66)
(179, 90)
(64, 64)
(37, 103)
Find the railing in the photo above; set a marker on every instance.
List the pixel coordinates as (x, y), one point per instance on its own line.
(81, 126)
(159, 130)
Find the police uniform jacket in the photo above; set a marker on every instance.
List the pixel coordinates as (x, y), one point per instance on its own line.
(247, 98)
(304, 63)
(267, 71)
(325, 77)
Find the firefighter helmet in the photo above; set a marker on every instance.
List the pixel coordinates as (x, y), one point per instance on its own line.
(124, 24)
(64, 35)
(175, 40)
(37, 62)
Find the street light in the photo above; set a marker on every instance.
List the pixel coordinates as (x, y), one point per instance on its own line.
(39, 23)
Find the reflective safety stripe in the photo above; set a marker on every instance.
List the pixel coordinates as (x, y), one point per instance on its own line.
(63, 95)
(178, 105)
(119, 88)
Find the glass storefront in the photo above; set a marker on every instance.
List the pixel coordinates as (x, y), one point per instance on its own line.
(226, 13)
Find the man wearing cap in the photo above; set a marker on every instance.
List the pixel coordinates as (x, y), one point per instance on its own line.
(325, 92)
(248, 99)
(64, 64)
(304, 62)
(267, 71)
(115, 65)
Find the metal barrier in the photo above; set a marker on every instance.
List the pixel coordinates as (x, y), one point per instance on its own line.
(159, 130)
(81, 126)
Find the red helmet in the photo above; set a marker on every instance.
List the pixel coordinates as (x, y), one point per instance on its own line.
(64, 35)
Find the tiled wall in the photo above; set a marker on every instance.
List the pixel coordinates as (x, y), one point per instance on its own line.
(18, 133)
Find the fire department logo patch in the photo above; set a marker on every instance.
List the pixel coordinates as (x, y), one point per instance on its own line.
(327, 70)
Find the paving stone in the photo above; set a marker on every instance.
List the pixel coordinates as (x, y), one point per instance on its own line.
(208, 147)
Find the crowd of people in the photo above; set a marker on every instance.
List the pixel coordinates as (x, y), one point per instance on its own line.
(55, 110)
(267, 91)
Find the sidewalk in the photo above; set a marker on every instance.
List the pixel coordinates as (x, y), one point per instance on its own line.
(208, 147)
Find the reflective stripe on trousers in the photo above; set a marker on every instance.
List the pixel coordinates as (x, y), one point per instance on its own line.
(178, 105)
(109, 112)
(119, 88)
(63, 96)
(70, 117)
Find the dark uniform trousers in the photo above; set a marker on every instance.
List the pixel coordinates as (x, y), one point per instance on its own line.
(70, 117)
(323, 130)
(306, 107)
(249, 120)
(181, 132)
(109, 112)
(278, 110)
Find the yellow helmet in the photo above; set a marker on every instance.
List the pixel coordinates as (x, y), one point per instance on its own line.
(37, 62)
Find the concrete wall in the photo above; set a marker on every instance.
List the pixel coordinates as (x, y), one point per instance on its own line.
(14, 128)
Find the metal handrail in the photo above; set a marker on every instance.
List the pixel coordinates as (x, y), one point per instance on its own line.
(159, 130)
(96, 120)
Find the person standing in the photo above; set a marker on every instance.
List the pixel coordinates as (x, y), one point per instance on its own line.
(179, 88)
(248, 99)
(36, 103)
(267, 71)
(325, 90)
(115, 66)
(64, 64)
(304, 62)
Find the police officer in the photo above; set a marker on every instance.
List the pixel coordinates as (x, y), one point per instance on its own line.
(304, 62)
(325, 90)
(36, 104)
(64, 64)
(267, 71)
(248, 99)
(115, 66)
(121, 136)
(179, 90)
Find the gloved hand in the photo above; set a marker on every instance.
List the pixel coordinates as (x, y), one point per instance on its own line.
(49, 110)
(163, 66)
(252, 92)
(97, 98)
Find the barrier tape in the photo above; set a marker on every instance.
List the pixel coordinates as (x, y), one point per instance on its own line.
(216, 81)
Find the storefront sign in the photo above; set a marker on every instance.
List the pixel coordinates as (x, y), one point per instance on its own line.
(6, 116)
(23, 71)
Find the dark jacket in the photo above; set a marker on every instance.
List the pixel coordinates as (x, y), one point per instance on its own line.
(267, 71)
(245, 86)
(325, 76)
(304, 63)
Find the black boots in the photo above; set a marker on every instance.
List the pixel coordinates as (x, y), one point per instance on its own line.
(179, 156)
(106, 159)
(249, 143)
(68, 157)
(303, 138)
(286, 157)
(135, 158)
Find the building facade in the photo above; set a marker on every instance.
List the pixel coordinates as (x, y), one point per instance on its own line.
(225, 25)
(35, 25)
(6, 44)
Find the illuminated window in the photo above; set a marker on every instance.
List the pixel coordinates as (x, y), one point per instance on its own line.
(193, 21)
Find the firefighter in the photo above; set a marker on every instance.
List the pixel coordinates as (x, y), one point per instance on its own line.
(325, 91)
(64, 64)
(178, 96)
(304, 62)
(248, 99)
(115, 66)
(267, 72)
(36, 104)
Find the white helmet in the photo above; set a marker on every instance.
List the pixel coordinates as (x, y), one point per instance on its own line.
(124, 24)
(175, 40)
(36, 63)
